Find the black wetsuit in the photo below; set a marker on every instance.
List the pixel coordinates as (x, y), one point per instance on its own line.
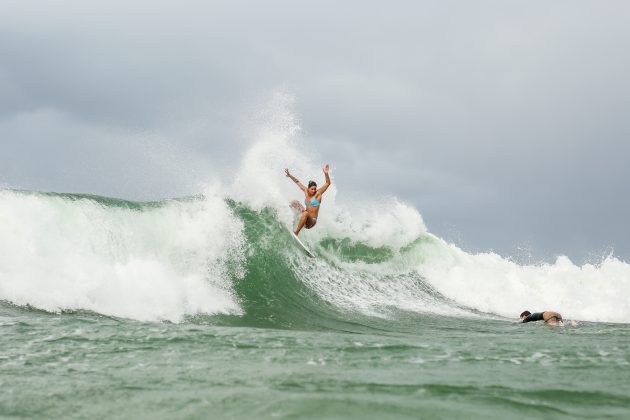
(538, 316)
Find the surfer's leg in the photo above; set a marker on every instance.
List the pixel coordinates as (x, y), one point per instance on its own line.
(301, 223)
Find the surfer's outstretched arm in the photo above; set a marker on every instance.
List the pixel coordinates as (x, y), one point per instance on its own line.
(294, 179)
(327, 184)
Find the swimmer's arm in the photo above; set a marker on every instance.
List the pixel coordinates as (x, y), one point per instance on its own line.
(327, 184)
(294, 179)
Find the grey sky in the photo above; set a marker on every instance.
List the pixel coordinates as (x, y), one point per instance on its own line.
(505, 123)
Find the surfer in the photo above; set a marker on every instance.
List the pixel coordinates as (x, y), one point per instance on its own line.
(551, 318)
(312, 200)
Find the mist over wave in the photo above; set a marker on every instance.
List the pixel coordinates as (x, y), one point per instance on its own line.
(227, 252)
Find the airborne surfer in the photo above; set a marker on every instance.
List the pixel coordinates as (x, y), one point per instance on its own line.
(312, 200)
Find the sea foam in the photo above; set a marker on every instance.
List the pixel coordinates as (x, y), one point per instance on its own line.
(152, 262)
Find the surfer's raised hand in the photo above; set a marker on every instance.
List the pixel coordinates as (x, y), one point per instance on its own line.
(297, 181)
(327, 184)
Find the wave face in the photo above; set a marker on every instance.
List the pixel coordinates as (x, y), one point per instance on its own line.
(227, 253)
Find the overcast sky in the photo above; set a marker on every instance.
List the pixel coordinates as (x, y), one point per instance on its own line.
(506, 124)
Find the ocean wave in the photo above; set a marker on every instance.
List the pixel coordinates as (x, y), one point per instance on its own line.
(214, 256)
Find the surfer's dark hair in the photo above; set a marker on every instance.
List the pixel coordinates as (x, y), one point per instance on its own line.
(525, 313)
(312, 183)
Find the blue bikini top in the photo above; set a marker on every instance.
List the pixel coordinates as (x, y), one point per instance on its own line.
(313, 203)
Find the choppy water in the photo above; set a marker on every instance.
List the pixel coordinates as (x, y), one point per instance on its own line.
(80, 365)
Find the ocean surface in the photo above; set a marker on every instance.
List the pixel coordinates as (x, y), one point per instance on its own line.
(204, 307)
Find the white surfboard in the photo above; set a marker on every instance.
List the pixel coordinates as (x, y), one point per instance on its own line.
(308, 251)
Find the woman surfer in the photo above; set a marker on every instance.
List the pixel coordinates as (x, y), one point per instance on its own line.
(312, 200)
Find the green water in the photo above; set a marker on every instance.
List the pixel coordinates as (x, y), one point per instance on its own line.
(88, 366)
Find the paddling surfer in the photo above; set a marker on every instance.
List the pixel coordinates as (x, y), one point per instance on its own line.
(312, 200)
(550, 317)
